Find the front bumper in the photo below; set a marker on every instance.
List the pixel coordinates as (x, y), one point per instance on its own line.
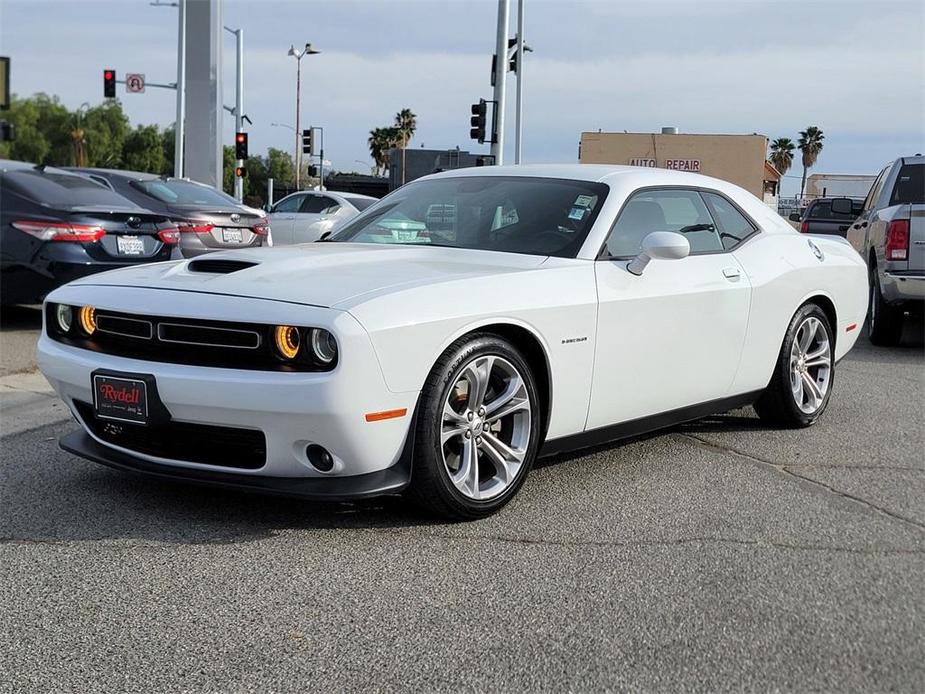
(389, 481)
(292, 410)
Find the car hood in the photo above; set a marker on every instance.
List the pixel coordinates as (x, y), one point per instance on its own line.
(335, 275)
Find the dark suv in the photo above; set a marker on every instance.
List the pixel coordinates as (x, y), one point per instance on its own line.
(56, 226)
(828, 216)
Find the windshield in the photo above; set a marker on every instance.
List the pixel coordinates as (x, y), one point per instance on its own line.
(175, 192)
(539, 216)
(361, 203)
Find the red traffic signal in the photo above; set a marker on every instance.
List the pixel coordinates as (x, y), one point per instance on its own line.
(109, 84)
(240, 172)
(240, 146)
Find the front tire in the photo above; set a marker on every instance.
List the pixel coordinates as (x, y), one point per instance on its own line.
(884, 322)
(477, 431)
(803, 377)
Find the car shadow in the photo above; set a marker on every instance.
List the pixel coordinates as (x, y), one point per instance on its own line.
(20, 318)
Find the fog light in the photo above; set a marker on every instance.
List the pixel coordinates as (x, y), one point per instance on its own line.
(87, 318)
(65, 317)
(324, 346)
(319, 457)
(287, 341)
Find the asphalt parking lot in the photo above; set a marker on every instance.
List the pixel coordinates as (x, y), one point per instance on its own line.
(721, 555)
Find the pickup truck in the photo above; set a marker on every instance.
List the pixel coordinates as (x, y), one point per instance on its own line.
(828, 216)
(890, 235)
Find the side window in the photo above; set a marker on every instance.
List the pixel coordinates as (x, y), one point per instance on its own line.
(874, 193)
(733, 225)
(290, 204)
(682, 211)
(318, 204)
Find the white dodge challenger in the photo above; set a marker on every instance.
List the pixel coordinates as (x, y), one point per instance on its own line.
(457, 329)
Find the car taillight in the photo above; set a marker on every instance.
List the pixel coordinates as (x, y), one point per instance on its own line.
(61, 231)
(194, 227)
(897, 240)
(261, 227)
(804, 228)
(169, 234)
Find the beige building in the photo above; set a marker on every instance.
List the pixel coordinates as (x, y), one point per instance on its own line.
(740, 159)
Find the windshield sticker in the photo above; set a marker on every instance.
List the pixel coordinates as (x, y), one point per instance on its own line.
(584, 200)
(577, 213)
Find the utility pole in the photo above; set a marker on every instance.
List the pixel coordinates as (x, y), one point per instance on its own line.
(501, 65)
(308, 50)
(239, 104)
(519, 126)
(179, 129)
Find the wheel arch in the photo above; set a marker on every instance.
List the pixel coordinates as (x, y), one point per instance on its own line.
(825, 303)
(535, 353)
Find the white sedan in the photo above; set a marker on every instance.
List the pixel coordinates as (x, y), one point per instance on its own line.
(306, 216)
(465, 324)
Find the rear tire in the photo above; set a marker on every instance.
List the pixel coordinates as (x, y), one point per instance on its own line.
(803, 377)
(884, 322)
(478, 429)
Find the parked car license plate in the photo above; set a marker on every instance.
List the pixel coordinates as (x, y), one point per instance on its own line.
(232, 236)
(120, 399)
(130, 245)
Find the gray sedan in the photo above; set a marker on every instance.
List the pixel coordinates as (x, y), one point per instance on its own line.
(304, 216)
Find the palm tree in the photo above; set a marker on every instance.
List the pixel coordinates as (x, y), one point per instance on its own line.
(380, 141)
(782, 154)
(406, 123)
(810, 144)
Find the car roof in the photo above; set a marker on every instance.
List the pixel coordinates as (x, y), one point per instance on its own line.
(14, 165)
(636, 176)
(130, 175)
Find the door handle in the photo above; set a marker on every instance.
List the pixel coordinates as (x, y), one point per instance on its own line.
(731, 273)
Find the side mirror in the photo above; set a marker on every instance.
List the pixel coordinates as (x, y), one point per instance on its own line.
(794, 217)
(841, 206)
(661, 245)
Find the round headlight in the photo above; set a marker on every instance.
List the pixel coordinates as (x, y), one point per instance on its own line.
(324, 346)
(287, 341)
(87, 318)
(65, 317)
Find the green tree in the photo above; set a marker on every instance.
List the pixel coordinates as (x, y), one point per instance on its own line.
(256, 182)
(280, 166)
(30, 144)
(169, 143)
(144, 150)
(380, 141)
(228, 162)
(810, 144)
(782, 154)
(106, 128)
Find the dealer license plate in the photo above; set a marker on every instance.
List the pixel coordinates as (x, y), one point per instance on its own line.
(232, 236)
(120, 399)
(130, 245)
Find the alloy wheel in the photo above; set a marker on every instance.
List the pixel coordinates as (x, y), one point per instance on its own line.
(810, 365)
(485, 427)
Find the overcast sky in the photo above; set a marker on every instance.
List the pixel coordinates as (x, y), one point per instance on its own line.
(855, 69)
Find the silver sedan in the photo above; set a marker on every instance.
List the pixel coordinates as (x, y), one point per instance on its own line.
(304, 216)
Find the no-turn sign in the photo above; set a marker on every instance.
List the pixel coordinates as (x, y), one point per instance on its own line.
(134, 83)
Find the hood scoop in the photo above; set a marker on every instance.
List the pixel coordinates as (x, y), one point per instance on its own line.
(219, 266)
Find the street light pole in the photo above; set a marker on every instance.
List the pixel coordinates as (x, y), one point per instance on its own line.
(179, 133)
(501, 62)
(308, 50)
(519, 125)
(239, 104)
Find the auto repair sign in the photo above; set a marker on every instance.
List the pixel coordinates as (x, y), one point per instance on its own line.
(692, 165)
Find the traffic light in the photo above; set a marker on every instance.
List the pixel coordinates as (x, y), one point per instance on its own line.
(308, 142)
(240, 172)
(312, 171)
(240, 146)
(477, 132)
(109, 84)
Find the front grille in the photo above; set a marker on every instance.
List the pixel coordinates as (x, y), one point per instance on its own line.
(191, 341)
(242, 449)
(208, 336)
(125, 326)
